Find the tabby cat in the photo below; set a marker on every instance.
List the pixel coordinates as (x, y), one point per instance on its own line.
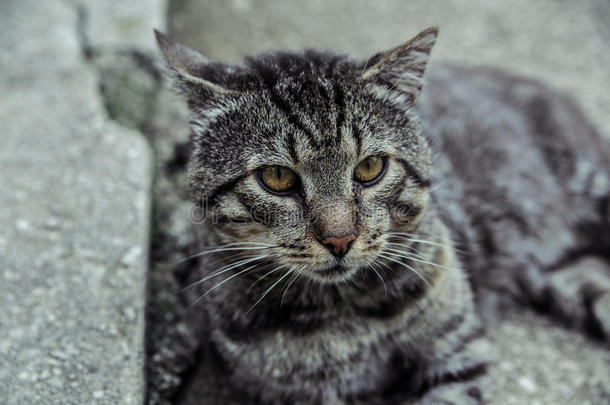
(353, 216)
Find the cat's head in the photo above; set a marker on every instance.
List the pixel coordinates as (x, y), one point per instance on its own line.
(318, 155)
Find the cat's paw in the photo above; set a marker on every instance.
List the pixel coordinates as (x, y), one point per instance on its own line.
(579, 294)
(600, 314)
(454, 394)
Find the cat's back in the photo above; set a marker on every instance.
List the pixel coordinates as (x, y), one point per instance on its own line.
(518, 167)
(487, 107)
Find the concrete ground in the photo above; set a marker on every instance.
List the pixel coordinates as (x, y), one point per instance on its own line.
(74, 208)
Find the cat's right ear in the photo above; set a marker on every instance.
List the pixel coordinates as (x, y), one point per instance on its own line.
(402, 68)
(193, 73)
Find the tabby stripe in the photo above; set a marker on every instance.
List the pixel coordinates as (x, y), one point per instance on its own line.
(372, 247)
(269, 80)
(248, 204)
(398, 189)
(224, 219)
(475, 334)
(358, 137)
(292, 149)
(340, 102)
(306, 320)
(475, 393)
(414, 174)
(468, 374)
(338, 95)
(297, 320)
(299, 255)
(225, 188)
(450, 325)
(292, 246)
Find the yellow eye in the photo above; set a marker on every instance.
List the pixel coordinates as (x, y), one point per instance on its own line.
(369, 169)
(278, 178)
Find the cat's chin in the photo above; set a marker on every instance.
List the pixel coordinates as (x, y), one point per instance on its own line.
(334, 274)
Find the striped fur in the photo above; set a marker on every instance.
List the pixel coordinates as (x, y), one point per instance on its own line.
(394, 319)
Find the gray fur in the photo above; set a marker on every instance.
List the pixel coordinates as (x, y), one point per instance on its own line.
(489, 177)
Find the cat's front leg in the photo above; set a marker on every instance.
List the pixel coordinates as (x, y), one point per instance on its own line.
(460, 384)
(457, 373)
(579, 294)
(455, 394)
(463, 382)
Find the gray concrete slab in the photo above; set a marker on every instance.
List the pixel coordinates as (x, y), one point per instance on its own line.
(112, 25)
(74, 215)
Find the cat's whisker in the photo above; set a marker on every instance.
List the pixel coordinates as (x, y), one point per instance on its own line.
(236, 263)
(411, 252)
(384, 266)
(364, 67)
(385, 289)
(428, 242)
(223, 270)
(406, 250)
(224, 282)
(406, 266)
(407, 256)
(417, 238)
(411, 238)
(269, 290)
(410, 248)
(296, 275)
(387, 267)
(240, 256)
(224, 261)
(233, 244)
(261, 278)
(237, 246)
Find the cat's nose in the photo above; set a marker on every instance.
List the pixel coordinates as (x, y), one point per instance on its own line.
(339, 245)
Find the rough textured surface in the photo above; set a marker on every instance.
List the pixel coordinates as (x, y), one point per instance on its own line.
(121, 24)
(74, 198)
(561, 43)
(539, 362)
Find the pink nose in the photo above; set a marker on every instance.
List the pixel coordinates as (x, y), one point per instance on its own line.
(339, 246)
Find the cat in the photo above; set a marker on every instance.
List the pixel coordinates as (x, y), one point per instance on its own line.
(358, 212)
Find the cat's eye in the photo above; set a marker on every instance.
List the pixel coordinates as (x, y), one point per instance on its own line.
(370, 169)
(278, 179)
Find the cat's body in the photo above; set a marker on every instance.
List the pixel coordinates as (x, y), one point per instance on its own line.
(523, 178)
(504, 184)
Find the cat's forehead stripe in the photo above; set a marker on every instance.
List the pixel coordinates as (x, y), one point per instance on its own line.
(358, 138)
(339, 100)
(320, 97)
(269, 79)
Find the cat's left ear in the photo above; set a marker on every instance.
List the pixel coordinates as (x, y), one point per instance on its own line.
(403, 68)
(193, 73)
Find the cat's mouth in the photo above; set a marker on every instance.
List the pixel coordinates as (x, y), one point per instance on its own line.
(337, 270)
(334, 273)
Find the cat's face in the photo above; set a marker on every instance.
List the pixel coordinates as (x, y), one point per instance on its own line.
(313, 154)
